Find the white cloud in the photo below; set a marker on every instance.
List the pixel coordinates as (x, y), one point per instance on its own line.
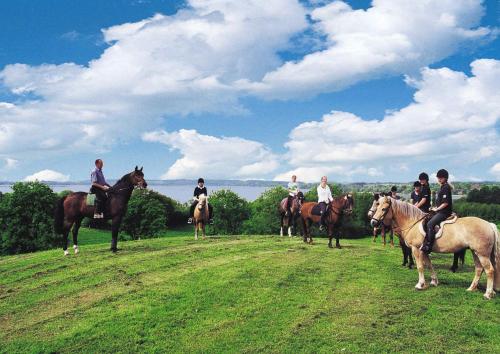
(450, 123)
(10, 163)
(214, 157)
(392, 37)
(495, 170)
(48, 175)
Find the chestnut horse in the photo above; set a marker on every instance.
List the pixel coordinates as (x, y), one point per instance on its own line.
(336, 209)
(468, 232)
(290, 220)
(201, 215)
(71, 209)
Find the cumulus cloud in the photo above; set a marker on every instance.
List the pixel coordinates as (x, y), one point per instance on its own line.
(452, 121)
(48, 176)
(10, 163)
(495, 170)
(214, 157)
(389, 38)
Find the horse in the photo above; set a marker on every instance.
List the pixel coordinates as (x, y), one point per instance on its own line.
(337, 208)
(480, 236)
(201, 215)
(290, 220)
(407, 257)
(71, 209)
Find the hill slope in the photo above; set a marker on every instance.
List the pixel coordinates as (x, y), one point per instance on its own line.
(238, 294)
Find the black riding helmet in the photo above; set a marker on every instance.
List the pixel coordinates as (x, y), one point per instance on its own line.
(417, 184)
(394, 189)
(424, 176)
(201, 180)
(442, 173)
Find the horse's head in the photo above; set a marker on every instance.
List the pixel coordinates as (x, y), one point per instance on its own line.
(202, 201)
(373, 208)
(348, 204)
(383, 212)
(137, 178)
(299, 199)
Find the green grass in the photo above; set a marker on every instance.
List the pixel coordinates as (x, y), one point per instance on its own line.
(239, 294)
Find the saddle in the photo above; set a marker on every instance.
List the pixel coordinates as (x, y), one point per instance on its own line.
(450, 220)
(316, 210)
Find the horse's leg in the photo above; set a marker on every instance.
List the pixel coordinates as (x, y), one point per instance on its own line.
(196, 230)
(478, 272)
(78, 222)
(434, 279)
(203, 230)
(405, 251)
(66, 229)
(489, 270)
(392, 238)
(410, 256)
(281, 223)
(330, 235)
(374, 234)
(382, 233)
(115, 228)
(337, 239)
(420, 267)
(304, 229)
(454, 266)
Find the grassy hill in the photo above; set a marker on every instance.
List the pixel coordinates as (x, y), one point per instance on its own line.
(239, 294)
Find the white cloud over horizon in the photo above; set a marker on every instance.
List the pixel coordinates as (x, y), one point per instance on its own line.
(47, 176)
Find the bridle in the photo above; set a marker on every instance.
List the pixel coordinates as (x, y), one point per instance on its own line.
(385, 212)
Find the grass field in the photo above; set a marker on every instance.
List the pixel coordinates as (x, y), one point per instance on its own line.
(238, 294)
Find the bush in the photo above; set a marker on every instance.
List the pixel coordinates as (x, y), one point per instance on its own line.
(230, 211)
(490, 212)
(27, 218)
(488, 195)
(358, 225)
(146, 215)
(264, 214)
(176, 213)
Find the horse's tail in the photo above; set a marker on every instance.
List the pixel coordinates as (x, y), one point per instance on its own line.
(495, 257)
(59, 216)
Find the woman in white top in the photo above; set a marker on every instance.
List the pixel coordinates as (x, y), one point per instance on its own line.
(293, 189)
(324, 198)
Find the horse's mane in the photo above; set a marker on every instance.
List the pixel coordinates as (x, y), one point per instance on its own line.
(124, 179)
(407, 209)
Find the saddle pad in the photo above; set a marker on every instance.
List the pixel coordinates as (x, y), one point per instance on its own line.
(283, 203)
(90, 199)
(451, 219)
(316, 210)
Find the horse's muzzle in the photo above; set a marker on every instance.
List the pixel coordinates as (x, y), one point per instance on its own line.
(374, 222)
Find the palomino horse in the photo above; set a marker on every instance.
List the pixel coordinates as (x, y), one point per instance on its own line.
(71, 209)
(201, 216)
(290, 220)
(407, 257)
(337, 208)
(469, 232)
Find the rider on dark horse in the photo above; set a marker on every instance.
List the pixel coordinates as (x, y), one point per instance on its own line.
(293, 190)
(99, 188)
(424, 202)
(442, 211)
(199, 190)
(324, 199)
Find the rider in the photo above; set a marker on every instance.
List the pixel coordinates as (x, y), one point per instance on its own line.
(394, 192)
(424, 203)
(443, 210)
(293, 190)
(199, 190)
(415, 195)
(324, 199)
(99, 188)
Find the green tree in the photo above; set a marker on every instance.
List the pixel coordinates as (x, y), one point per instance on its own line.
(264, 215)
(230, 211)
(146, 216)
(312, 194)
(26, 218)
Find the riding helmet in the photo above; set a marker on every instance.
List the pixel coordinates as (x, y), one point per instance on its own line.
(442, 173)
(201, 180)
(394, 189)
(424, 176)
(417, 184)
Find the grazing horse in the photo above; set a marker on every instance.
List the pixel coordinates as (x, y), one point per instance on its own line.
(71, 209)
(337, 208)
(201, 215)
(477, 234)
(407, 257)
(290, 220)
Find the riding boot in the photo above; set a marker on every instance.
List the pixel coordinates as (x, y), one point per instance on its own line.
(428, 242)
(322, 223)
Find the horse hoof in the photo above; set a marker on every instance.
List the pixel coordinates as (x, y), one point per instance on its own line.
(76, 249)
(66, 253)
(420, 286)
(489, 295)
(330, 246)
(453, 269)
(338, 246)
(434, 282)
(114, 250)
(471, 289)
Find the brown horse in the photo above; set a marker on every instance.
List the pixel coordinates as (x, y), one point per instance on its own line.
(201, 215)
(71, 209)
(290, 220)
(468, 232)
(337, 208)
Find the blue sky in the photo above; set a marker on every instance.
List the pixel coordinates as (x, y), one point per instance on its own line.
(255, 107)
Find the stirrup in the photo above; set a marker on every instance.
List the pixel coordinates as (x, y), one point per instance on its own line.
(190, 220)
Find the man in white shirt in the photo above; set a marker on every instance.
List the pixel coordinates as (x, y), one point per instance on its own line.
(293, 190)
(324, 198)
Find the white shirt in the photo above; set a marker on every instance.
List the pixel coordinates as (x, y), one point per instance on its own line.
(293, 189)
(324, 194)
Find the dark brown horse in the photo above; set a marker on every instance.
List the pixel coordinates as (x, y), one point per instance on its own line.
(290, 219)
(71, 209)
(338, 207)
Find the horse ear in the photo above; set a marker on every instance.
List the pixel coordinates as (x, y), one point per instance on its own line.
(345, 197)
(141, 168)
(136, 168)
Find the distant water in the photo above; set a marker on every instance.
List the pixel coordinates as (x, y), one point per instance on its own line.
(181, 193)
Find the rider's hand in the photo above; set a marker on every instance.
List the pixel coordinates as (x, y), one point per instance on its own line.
(433, 209)
(105, 188)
